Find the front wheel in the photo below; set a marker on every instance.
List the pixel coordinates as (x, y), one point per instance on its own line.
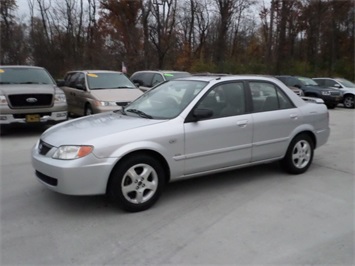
(299, 155)
(88, 110)
(136, 183)
(349, 101)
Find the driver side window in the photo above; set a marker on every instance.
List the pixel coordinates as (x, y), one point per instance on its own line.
(225, 100)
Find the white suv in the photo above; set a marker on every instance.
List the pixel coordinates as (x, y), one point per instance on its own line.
(346, 86)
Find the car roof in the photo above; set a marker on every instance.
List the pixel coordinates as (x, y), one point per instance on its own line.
(161, 71)
(95, 71)
(229, 78)
(20, 66)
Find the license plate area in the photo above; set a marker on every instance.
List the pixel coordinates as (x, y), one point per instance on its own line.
(33, 118)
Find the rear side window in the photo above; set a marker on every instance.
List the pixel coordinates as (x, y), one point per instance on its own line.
(267, 97)
(320, 82)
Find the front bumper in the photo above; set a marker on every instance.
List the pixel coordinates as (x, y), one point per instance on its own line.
(332, 99)
(47, 117)
(85, 176)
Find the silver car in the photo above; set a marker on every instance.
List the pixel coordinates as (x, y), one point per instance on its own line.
(28, 94)
(183, 128)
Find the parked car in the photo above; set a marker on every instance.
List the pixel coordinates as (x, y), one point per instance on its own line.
(345, 86)
(95, 91)
(147, 79)
(310, 88)
(296, 90)
(182, 128)
(29, 94)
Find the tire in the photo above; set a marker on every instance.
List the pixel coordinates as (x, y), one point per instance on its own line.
(331, 106)
(299, 155)
(88, 110)
(349, 101)
(136, 183)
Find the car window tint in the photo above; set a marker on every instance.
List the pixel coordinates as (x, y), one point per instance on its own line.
(320, 82)
(174, 75)
(108, 80)
(225, 100)
(143, 79)
(72, 79)
(329, 83)
(267, 97)
(25, 75)
(81, 80)
(157, 78)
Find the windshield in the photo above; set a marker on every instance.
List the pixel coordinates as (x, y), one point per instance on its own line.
(346, 83)
(308, 81)
(23, 75)
(167, 100)
(175, 75)
(114, 80)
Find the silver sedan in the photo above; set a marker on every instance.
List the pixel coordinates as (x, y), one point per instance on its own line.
(182, 128)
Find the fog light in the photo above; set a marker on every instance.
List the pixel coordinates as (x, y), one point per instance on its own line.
(2, 117)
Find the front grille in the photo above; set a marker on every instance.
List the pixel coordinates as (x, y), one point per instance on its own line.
(30, 100)
(335, 93)
(47, 179)
(44, 148)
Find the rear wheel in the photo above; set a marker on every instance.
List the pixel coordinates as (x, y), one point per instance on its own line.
(136, 183)
(331, 106)
(349, 101)
(299, 155)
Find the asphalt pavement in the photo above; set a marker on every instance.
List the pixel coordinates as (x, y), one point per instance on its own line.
(252, 216)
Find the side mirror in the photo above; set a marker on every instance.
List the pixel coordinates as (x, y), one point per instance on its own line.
(200, 114)
(60, 82)
(80, 86)
(297, 86)
(137, 84)
(337, 86)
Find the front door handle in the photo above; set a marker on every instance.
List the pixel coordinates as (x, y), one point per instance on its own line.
(293, 116)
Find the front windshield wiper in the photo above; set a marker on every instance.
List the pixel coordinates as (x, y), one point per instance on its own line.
(124, 87)
(29, 82)
(140, 113)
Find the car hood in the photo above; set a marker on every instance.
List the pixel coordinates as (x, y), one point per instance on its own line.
(27, 88)
(320, 87)
(347, 89)
(86, 129)
(114, 95)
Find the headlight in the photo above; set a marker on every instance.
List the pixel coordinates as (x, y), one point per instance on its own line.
(325, 92)
(3, 100)
(99, 103)
(60, 98)
(72, 152)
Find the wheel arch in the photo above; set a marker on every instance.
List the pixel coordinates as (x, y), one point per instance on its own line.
(148, 152)
(308, 133)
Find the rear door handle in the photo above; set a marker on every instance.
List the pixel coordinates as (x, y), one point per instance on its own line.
(242, 123)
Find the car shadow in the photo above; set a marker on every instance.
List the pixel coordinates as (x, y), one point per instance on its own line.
(173, 192)
(20, 130)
